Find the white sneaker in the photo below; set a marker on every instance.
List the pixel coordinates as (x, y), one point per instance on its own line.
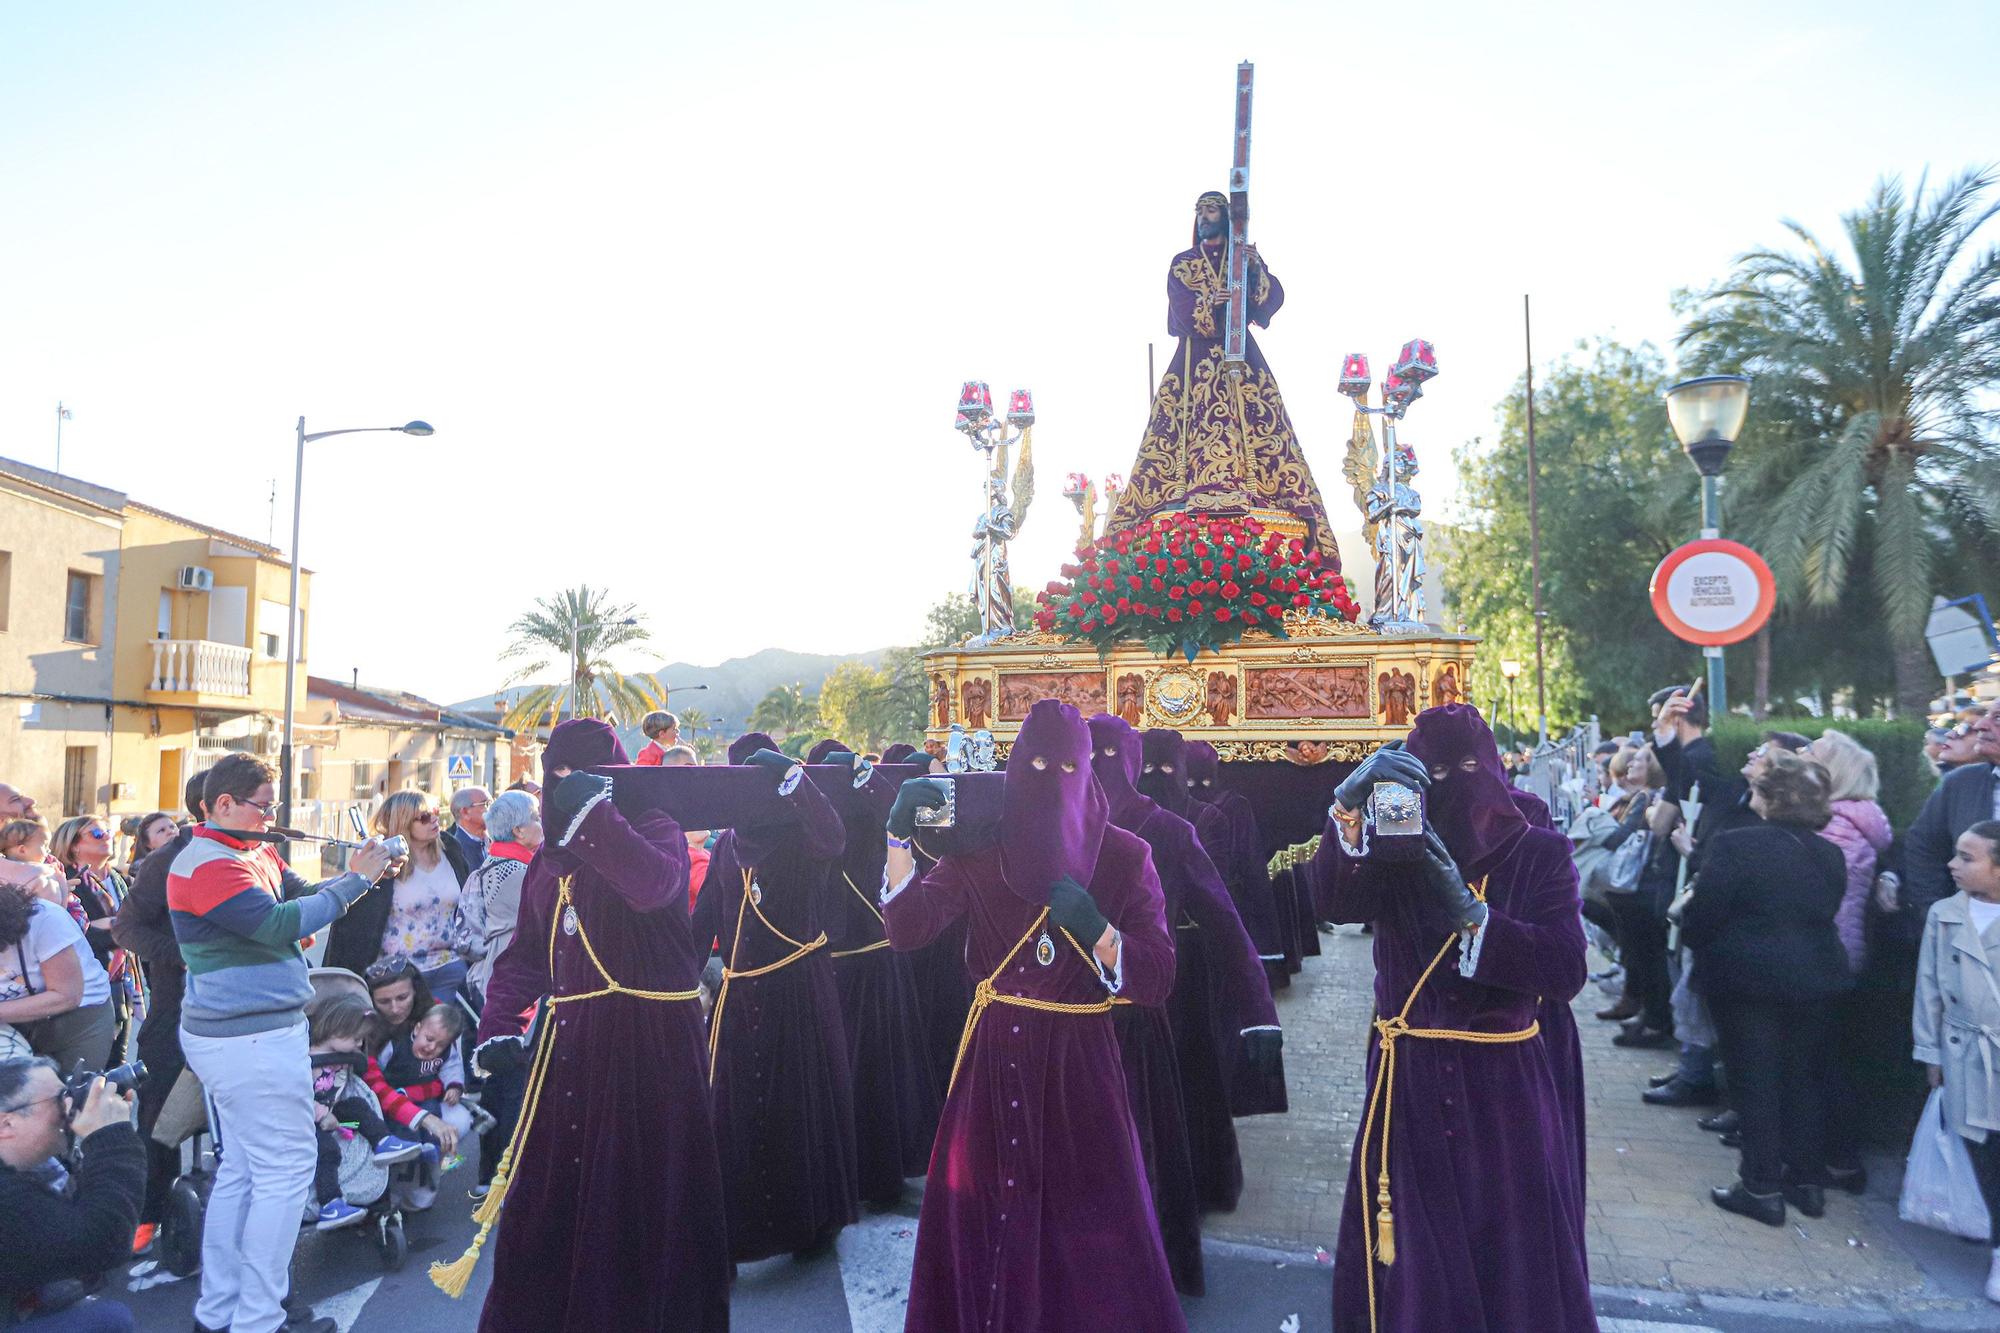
(1993, 1279)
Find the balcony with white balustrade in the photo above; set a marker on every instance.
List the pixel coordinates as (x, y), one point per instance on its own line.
(199, 673)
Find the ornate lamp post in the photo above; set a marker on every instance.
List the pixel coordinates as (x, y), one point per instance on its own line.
(1394, 507)
(1085, 494)
(1000, 519)
(1707, 415)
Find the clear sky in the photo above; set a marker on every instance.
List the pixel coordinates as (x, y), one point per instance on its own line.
(688, 289)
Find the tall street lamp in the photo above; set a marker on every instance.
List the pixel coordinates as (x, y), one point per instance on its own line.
(1512, 671)
(576, 667)
(1707, 415)
(292, 621)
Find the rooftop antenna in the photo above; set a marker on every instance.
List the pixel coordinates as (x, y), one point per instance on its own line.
(62, 415)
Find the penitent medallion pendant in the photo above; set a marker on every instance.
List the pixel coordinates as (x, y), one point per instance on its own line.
(569, 921)
(756, 893)
(1045, 950)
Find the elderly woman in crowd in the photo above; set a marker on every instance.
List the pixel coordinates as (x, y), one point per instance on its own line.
(1958, 1012)
(492, 896)
(82, 847)
(410, 912)
(1767, 958)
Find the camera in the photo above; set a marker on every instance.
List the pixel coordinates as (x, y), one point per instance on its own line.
(125, 1078)
(397, 846)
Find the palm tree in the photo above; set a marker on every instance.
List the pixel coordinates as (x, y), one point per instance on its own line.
(1873, 441)
(784, 710)
(584, 619)
(695, 731)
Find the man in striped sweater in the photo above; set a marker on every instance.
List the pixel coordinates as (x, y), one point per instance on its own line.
(243, 1028)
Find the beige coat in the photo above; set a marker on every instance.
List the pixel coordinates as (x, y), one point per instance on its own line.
(1957, 1018)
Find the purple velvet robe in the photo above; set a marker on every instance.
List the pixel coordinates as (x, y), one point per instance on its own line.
(1559, 1031)
(896, 1098)
(784, 1104)
(1488, 1223)
(613, 1219)
(1036, 1215)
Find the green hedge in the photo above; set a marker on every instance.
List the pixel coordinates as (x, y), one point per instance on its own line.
(1898, 748)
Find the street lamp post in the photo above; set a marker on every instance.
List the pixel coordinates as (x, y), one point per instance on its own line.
(1512, 671)
(576, 667)
(1707, 415)
(292, 623)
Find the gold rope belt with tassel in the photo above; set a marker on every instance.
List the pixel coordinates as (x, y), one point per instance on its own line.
(452, 1278)
(1380, 1244)
(730, 973)
(882, 943)
(985, 994)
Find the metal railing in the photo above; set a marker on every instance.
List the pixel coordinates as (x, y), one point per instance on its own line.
(200, 666)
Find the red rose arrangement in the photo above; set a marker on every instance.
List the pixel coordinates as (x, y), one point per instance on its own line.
(1182, 583)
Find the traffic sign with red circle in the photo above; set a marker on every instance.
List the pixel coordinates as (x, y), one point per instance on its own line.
(1713, 592)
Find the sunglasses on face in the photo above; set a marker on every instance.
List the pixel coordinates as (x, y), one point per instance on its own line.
(98, 833)
(424, 817)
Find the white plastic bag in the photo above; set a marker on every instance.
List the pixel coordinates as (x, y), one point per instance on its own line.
(1939, 1189)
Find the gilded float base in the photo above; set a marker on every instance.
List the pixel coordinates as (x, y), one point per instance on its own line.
(1331, 693)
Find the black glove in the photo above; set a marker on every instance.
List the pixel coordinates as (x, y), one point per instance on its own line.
(1391, 763)
(501, 1055)
(573, 793)
(843, 758)
(771, 759)
(915, 794)
(1072, 908)
(1265, 1049)
(1447, 884)
(711, 974)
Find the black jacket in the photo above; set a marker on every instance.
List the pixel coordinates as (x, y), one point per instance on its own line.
(1761, 921)
(1963, 799)
(45, 1236)
(356, 938)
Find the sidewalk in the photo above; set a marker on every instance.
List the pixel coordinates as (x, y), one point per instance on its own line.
(1651, 1225)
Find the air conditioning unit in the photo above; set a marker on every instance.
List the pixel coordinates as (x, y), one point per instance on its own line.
(194, 578)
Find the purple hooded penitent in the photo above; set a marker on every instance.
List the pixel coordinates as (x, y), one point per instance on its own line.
(819, 752)
(902, 752)
(600, 1135)
(1291, 929)
(784, 1109)
(1036, 1215)
(1483, 1157)
(1470, 802)
(1181, 1105)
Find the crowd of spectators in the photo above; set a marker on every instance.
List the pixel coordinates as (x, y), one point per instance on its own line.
(1810, 969)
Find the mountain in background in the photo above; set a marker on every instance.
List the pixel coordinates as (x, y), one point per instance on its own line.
(734, 686)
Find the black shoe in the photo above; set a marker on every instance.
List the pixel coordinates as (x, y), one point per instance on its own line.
(1808, 1199)
(1661, 1080)
(1733, 1139)
(1852, 1180)
(1766, 1208)
(1676, 1093)
(1643, 1039)
(1722, 1122)
(1620, 1011)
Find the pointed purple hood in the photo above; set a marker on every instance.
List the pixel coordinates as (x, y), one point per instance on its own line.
(901, 753)
(1052, 812)
(1201, 768)
(748, 744)
(819, 752)
(1470, 802)
(581, 742)
(1116, 759)
(1164, 776)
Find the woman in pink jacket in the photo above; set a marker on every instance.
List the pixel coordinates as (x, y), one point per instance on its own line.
(1860, 830)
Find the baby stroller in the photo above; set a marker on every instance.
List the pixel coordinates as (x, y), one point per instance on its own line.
(377, 1189)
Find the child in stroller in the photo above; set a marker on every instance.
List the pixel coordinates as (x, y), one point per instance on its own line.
(344, 1108)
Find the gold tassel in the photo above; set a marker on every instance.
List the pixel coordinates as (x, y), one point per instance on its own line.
(1385, 1226)
(452, 1278)
(488, 1210)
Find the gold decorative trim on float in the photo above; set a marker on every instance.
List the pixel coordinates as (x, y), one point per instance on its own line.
(1318, 696)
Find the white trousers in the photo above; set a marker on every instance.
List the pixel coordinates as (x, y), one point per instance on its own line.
(259, 1091)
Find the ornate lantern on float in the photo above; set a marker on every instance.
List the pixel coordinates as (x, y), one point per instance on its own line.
(1417, 362)
(1114, 483)
(1020, 409)
(1398, 393)
(1354, 376)
(1074, 485)
(975, 405)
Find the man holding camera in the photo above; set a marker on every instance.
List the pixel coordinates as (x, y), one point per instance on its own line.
(53, 1239)
(243, 1030)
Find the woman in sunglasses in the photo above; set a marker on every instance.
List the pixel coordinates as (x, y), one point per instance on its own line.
(411, 911)
(83, 847)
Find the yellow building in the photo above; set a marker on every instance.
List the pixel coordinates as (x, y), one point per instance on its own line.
(358, 745)
(136, 647)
